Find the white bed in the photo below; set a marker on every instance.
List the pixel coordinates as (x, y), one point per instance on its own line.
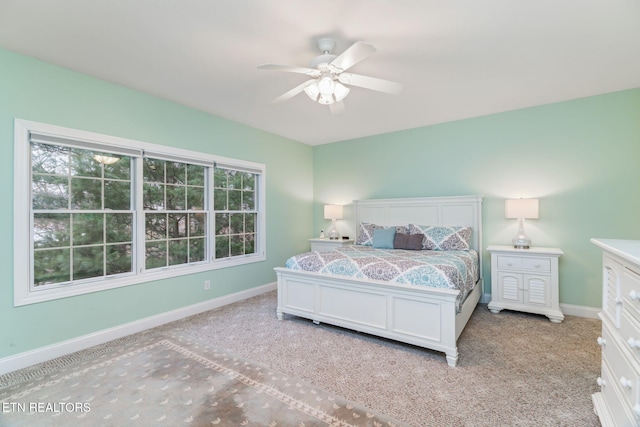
(418, 315)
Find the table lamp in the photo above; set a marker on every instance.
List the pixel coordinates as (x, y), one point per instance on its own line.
(521, 209)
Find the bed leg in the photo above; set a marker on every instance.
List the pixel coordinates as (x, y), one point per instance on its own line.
(279, 314)
(452, 358)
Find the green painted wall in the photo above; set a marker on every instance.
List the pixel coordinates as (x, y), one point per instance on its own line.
(33, 90)
(581, 158)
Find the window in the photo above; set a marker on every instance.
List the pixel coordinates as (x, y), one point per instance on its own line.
(174, 213)
(94, 212)
(234, 196)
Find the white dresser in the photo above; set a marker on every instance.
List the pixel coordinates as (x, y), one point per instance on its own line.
(618, 402)
(525, 280)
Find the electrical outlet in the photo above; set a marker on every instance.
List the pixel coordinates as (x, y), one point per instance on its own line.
(207, 285)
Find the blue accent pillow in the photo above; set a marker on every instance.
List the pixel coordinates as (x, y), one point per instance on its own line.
(383, 238)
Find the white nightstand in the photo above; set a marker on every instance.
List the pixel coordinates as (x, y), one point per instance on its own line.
(328, 244)
(525, 280)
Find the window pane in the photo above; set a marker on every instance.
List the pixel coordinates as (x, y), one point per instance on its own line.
(220, 178)
(84, 164)
(235, 200)
(49, 159)
(86, 193)
(237, 223)
(156, 254)
(153, 198)
(117, 195)
(177, 225)
(119, 259)
(249, 243)
(176, 173)
(248, 200)
(156, 226)
(51, 230)
(195, 198)
(178, 252)
(119, 227)
(195, 175)
(248, 181)
(235, 179)
(197, 224)
(222, 224)
(153, 170)
(50, 192)
(222, 246)
(196, 250)
(88, 262)
(51, 266)
(175, 198)
(88, 229)
(220, 200)
(237, 245)
(250, 223)
(118, 170)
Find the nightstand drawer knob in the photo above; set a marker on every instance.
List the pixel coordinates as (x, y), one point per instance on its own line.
(600, 382)
(537, 266)
(633, 343)
(634, 296)
(601, 341)
(509, 264)
(636, 409)
(625, 382)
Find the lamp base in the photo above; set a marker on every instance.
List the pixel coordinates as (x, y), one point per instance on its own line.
(520, 242)
(333, 231)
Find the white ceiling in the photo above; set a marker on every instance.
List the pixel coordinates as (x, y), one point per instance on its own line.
(455, 59)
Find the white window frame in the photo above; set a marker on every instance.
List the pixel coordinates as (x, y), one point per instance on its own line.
(23, 228)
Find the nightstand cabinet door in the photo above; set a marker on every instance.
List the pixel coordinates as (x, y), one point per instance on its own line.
(537, 290)
(510, 287)
(525, 280)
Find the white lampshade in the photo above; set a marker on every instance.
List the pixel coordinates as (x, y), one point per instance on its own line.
(332, 212)
(521, 208)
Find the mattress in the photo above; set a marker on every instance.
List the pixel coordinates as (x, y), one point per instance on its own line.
(437, 269)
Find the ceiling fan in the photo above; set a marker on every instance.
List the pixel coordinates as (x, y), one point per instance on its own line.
(328, 77)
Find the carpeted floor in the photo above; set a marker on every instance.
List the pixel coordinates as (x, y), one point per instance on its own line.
(514, 369)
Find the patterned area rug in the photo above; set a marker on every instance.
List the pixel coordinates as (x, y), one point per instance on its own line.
(158, 382)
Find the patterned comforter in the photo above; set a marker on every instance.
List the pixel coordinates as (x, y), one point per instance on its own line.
(437, 269)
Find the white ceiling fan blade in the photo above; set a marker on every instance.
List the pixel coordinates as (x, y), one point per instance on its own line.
(299, 70)
(337, 108)
(372, 83)
(350, 57)
(293, 92)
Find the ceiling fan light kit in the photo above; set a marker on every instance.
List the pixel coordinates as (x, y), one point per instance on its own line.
(327, 84)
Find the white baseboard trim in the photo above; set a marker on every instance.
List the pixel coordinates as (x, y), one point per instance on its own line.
(568, 309)
(580, 311)
(39, 355)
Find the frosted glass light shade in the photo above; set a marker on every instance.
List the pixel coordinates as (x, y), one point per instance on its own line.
(521, 208)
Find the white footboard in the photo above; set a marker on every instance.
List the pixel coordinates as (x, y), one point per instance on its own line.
(421, 316)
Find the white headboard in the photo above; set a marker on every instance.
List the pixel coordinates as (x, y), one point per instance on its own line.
(453, 210)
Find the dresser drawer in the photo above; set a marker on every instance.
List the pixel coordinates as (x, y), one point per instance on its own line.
(509, 262)
(621, 414)
(624, 372)
(537, 264)
(630, 334)
(530, 264)
(630, 291)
